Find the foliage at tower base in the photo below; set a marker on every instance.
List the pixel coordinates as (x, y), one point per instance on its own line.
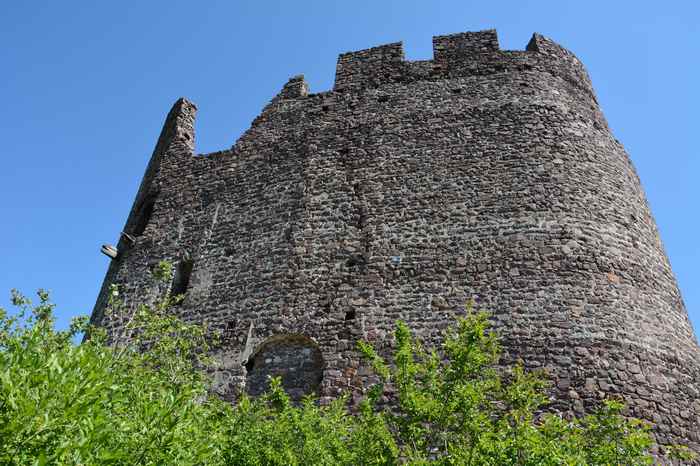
(143, 399)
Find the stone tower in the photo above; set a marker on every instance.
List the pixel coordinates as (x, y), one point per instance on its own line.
(410, 188)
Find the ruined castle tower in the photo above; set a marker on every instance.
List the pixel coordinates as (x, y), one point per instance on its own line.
(410, 188)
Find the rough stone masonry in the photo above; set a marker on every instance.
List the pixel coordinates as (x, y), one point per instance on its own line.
(409, 189)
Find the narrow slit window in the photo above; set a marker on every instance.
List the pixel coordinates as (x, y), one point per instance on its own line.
(181, 278)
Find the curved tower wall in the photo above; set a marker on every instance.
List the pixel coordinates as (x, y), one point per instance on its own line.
(407, 190)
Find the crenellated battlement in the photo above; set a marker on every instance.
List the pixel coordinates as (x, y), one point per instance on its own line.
(462, 46)
(457, 55)
(370, 67)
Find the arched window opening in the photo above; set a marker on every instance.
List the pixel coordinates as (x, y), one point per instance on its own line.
(296, 359)
(144, 213)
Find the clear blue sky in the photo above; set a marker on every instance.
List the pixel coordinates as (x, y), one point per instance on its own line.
(85, 87)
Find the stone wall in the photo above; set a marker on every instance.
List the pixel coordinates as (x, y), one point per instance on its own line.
(407, 190)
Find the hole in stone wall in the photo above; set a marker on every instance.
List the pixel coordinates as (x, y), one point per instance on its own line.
(249, 364)
(181, 278)
(383, 98)
(350, 315)
(296, 359)
(144, 214)
(355, 259)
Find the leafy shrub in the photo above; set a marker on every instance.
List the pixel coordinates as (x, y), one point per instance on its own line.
(142, 398)
(453, 407)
